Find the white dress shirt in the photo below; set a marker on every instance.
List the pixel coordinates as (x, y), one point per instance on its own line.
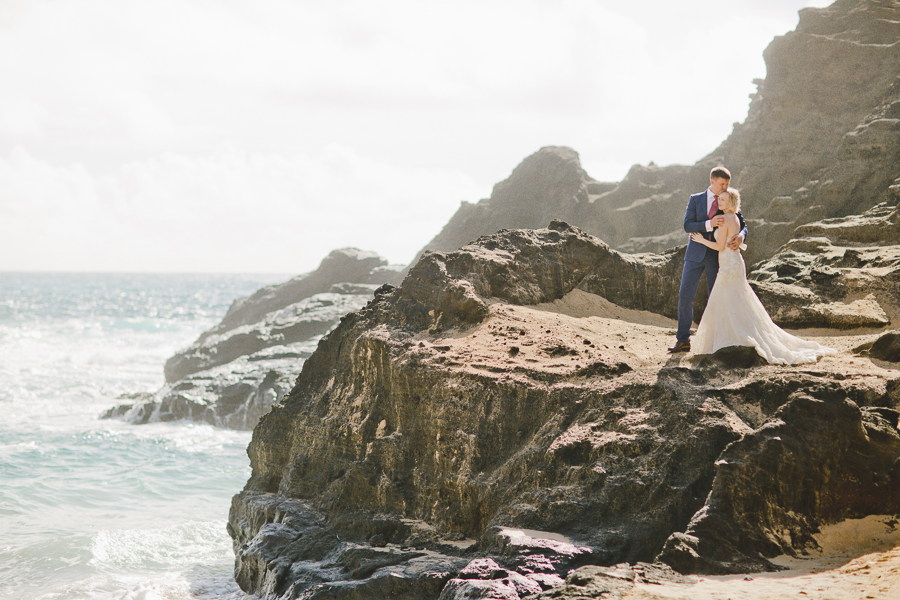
(710, 199)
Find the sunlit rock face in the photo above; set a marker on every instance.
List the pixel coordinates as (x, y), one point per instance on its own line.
(479, 411)
(234, 372)
(826, 112)
(283, 314)
(821, 140)
(842, 273)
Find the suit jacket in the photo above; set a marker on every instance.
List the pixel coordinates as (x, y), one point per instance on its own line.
(695, 218)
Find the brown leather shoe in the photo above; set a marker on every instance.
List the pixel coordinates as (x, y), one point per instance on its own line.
(680, 347)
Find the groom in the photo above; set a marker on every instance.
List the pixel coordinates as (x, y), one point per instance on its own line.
(703, 216)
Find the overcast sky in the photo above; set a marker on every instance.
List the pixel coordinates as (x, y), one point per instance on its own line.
(258, 135)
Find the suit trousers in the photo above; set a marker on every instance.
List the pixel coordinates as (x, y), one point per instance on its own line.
(690, 281)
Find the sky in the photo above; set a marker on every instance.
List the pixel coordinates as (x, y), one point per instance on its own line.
(255, 136)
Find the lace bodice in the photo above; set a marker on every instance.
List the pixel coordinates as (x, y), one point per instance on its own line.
(731, 262)
(734, 316)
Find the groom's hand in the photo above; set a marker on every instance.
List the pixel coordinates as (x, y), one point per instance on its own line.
(735, 242)
(718, 220)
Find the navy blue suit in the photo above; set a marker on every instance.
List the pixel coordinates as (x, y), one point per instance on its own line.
(697, 259)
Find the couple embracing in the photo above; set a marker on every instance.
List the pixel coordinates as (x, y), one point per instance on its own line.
(734, 316)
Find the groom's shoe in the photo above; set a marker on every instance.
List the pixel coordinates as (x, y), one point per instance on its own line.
(680, 347)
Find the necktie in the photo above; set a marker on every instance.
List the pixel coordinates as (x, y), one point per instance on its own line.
(715, 206)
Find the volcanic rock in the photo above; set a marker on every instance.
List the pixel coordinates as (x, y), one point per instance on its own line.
(548, 184)
(283, 314)
(234, 372)
(844, 277)
(615, 581)
(414, 426)
(551, 184)
(774, 486)
(886, 347)
(295, 551)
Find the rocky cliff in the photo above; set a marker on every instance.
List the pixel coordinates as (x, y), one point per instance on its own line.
(821, 140)
(509, 414)
(505, 422)
(235, 371)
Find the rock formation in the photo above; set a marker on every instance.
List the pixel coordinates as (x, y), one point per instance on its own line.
(821, 140)
(820, 459)
(841, 273)
(506, 422)
(512, 400)
(235, 371)
(828, 106)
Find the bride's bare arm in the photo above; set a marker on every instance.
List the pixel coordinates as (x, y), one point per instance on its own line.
(718, 246)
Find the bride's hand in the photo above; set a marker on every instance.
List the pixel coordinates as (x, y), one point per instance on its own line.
(697, 238)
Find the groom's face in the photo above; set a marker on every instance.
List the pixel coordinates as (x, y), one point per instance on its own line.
(718, 185)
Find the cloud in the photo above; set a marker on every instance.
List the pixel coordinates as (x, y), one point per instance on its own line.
(255, 136)
(228, 211)
(107, 60)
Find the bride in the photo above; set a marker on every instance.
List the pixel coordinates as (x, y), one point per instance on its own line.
(734, 316)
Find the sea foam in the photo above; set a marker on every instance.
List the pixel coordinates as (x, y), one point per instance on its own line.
(106, 510)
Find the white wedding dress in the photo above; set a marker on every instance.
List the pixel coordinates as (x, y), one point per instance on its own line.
(734, 316)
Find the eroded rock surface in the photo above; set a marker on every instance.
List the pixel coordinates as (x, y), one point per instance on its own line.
(283, 314)
(842, 274)
(820, 459)
(234, 372)
(513, 400)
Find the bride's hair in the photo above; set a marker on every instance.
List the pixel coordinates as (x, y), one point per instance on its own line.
(735, 197)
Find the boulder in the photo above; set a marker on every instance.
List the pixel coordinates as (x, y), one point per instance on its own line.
(821, 459)
(298, 552)
(886, 347)
(830, 281)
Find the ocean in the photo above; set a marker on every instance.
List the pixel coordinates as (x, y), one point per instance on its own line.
(102, 509)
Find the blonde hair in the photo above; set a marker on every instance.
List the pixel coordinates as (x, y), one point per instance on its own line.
(735, 198)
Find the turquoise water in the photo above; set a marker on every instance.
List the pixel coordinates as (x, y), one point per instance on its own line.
(103, 509)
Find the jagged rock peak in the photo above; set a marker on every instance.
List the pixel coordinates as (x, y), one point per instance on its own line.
(341, 265)
(549, 184)
(553, 174)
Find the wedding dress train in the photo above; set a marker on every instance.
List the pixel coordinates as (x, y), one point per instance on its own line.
(734, 316)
